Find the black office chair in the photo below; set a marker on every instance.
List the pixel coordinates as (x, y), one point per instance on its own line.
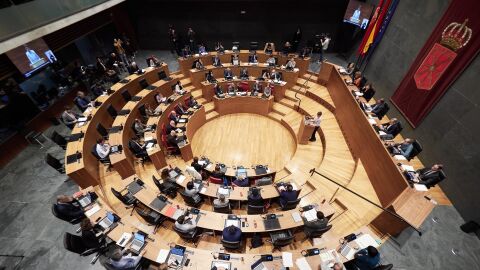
(310, 234)
(112, 111)
(194, 201)
(384, 267)
(289, 205)
(55, 163)
(263, 181)
(383, 112)
(232, 245)
(255, 209)
(281, 239)
(189, 237)
(104, 161)
(74, 243)
(102, 131)
(167, 188)
(141, 156)
(128, 199)
(143, 112)
(59, 139)
(253, 45)
(417, 149)
(151, 217)
(222, 209)
(143, 83)
(126, 95)
(68, 219)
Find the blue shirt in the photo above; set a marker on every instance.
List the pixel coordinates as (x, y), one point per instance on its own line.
(82, 102)
(406, 149)
(364, 261)
(242, 183)
(232, 237)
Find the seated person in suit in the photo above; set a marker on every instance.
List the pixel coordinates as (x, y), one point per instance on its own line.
(276, 76)
(119, 261)
(186, 223)
(242, 87)
(269, 48)
(287, 194)
(291, 64)
(320, 223)
(367, 258)
(232, 234)
(179, 88)
(218, 91)
(68, 207)
(228, 74)
(348, 70)
(287, 48)
(186, 51)
(82, 101)
(190, 189)
(256, 88)
(393, 127)
(102, 148)
(235, 60)
(265, 74)
(172, 140)
(195, 164)
(306, 51)
(133, 67)
(221, 201)
(231, 89)
(181, 110)
(89, 238)
(252, 58)
(379, 107)
(191, 102)
(172, 126)
(430, 176)
(97, 89)
(268, 90)
(69, 117)
(219, 47)
(201, 49)
(217, 172)
(271, 61)
(255, 198)
(137, 148)
(209, 77)
(199, 64)
(244, 74)
(216, 61)
(174, 116)
(159, 98)
(404, 148)
(139, 127)
(241, 181)
(367, 91)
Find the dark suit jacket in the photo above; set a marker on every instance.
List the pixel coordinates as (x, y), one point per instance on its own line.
(286, 196)
(89, 239)
(70, 210)
(429, 178)
(216, 62)
(232, 237)
(393, 129)
(227, 74)
(174, 118)
(315, 225)
(368, 94)
(218, 90)
(243, 74)
(252, 59)
(378, 108)
(197, 166)
(257, 201)
(136, 148)
(170, 128)
(172, 140)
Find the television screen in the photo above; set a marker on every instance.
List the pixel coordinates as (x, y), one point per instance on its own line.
(31, 57)
(358, 13)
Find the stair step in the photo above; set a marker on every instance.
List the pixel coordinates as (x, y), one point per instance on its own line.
(209, 107)
(280, 108)
(299, 89)
(197, 94)
(275, 116)
(202, 101)
(211, 115)
(310, 76)
(189, 88)
(287, 102)
(291, 95)
(185, 82)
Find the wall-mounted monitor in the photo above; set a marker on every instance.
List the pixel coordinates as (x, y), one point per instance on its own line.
(31, 56)
(358, 13)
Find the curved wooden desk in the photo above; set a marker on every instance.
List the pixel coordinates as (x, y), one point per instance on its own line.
(123, 162)
(197, 76)
(186, 63)
(85, 171)
(243, 104)
(278, 91)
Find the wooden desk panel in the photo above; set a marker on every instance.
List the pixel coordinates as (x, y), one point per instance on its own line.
(245, 104)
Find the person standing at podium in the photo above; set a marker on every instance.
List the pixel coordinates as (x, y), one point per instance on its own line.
(315, 122)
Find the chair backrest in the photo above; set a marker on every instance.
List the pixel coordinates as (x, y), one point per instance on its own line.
(383, 112)
(157, 182)
(215, 180)
(151, 217)
(94, 152)
(112, 111)
(400, 128)
(255, 209)
(284, 241)
(73, 243)
(59, 139)
(162, 75)
(222, 209)
(290, 205)
(184, 234)
(264, 181)
(142, 110)
(318, 233)
(101, 130)
(143, 83)
(188, 199)
(53, 162)
(231, 245)
(126, 95)
(417, 149)
(126, 200)
(54, 134)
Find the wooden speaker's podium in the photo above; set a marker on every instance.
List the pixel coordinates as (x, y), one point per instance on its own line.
(305, 131)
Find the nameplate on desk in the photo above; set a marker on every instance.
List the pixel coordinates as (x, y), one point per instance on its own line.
(75, 137)
(183, 120)
(136, 98)
(124, 81)
(123, 112)
(115, 129)
(73, 158)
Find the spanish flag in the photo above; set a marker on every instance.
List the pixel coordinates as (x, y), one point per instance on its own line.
(374, 26)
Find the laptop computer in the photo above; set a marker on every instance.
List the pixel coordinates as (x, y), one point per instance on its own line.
(258, 265)
(230, 222)
(84, 200)
(134, 187)
(271, 224)
(107, 221)
(138, 242)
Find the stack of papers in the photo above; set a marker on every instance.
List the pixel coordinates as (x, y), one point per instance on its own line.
(381, 133)
(408, 168)
(420, 187)
(399, 157)
(181, 178)
(287, 259)
(302, 264)
(296, 217)
(311, 214)
(92, 210)
(162, 256)
(366, 240)
(372, 121)
(223, 191)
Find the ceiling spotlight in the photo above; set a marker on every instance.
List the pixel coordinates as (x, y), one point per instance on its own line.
(243, 12)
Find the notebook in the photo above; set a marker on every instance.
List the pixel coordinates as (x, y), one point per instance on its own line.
(230, 222)
(134, 187)
(311, 214)
(271, 224)
(157, 204)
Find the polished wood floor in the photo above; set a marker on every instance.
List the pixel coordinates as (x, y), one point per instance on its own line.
(245, 139)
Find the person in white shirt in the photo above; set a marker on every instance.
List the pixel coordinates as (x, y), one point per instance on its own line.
(271, 61)
(221, 201)
(325, 43)
(193, 173)
(179, 88)
(290, 64)
(69, 117)
(102, 149)
(185, 223)
(315, 122)
(268, 90)
(275, 76)
(120, 261)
